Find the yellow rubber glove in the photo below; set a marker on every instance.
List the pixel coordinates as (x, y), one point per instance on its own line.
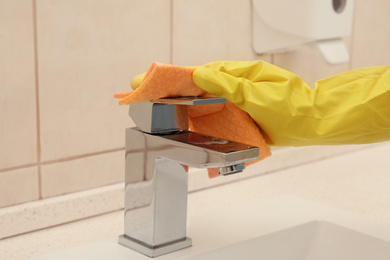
(349, 108)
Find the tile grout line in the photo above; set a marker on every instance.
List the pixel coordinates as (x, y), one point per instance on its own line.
(171, 33)
(71, 158)
(35, 37)
(353, 31)
(18, 167)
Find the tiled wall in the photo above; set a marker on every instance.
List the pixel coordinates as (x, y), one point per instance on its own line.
(61, 131)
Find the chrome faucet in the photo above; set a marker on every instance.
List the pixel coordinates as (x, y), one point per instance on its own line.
(156, 180)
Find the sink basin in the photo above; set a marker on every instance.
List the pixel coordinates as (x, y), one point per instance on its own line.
(279, 228)
(316, 240)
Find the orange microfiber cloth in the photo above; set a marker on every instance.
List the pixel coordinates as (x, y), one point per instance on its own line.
(225, 121)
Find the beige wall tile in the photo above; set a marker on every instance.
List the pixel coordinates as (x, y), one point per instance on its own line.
(82, 174)
(17, 85)
(18, 186)
(88, 50)
(371, 36)
(212, 30)
(307, 62)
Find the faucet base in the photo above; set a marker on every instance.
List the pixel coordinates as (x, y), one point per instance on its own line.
(154, 251)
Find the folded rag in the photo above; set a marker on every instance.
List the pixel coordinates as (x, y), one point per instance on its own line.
(269, 105)
(164, 80)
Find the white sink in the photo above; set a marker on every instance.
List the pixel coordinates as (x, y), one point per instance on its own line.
(279, 228)
(317, 240)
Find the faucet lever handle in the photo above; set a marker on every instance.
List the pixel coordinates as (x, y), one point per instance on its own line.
(166, 115)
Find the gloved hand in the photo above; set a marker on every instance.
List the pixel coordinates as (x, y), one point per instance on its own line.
(225, 120)
(349, 108)
(269, 104)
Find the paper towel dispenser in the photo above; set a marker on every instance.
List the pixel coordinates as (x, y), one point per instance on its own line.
(280, 25)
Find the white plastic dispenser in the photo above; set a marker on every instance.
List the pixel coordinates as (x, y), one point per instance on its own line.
(281, 25)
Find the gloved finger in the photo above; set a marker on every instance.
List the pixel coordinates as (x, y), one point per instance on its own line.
(137, 80)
